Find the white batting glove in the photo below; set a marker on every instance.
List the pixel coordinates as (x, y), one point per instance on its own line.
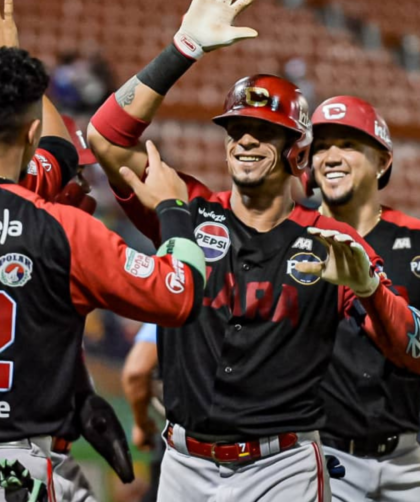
(347, 263)
(208, 25)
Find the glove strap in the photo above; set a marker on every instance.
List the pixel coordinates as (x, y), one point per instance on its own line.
(188, 46)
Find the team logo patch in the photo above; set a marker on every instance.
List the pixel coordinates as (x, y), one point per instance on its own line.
(175, 280)
(305, 279)
(415, 266)
(45, 163)
(413, 346)
(15, 269)
(334, 111)
(213, 239)
(138, 264)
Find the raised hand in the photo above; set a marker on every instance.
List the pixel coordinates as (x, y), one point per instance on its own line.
(207, 25)
(8, 29)
(347, 263)
(162, 182)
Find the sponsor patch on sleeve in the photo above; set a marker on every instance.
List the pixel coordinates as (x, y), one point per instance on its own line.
(175, 280)
(138, 264)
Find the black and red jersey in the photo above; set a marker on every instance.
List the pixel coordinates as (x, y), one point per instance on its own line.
(365, 394)
(251, 363)
(51, 168)
(56, 265)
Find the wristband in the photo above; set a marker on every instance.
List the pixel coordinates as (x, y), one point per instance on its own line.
(163, 72)
(188, 46)
(116, 125)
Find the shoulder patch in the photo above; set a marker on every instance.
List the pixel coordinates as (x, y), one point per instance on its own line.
(138, 264)
(15, 269)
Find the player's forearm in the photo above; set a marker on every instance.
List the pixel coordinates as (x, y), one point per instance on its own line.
(53, 124)
(394, 327)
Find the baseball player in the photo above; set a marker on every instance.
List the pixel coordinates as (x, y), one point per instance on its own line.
(372, 404)
(52, 165)
(142, 389)
(58, 263)
(241, 381)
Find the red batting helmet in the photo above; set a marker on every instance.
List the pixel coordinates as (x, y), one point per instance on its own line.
(356, 113)
(86, 156)
(278, 101)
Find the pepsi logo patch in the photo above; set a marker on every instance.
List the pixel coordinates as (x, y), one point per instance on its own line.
(415, 266)
(300, 277)
(138, 264)
(213, 239)
(15, 269)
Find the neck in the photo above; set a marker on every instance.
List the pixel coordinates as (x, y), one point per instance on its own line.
(362, 217)
(11, 159)
(261, 210)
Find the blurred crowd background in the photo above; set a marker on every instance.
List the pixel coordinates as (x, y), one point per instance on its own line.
(327, 47)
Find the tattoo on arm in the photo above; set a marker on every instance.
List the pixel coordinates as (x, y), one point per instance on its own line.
(125, 94)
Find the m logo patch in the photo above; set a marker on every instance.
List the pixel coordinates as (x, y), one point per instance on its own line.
(302, 243)
(402, 243)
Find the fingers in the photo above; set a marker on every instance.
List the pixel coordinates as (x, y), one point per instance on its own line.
(240, 5)
(8, 9)
(242, 33)
(311, 267)
(153, 154)
(131, 178)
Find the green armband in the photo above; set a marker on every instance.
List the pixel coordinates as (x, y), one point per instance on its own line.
(186, 251)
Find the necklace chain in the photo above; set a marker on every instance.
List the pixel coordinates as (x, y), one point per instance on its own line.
(320, 211)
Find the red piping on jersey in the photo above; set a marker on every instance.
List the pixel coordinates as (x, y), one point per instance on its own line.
(50, 482)
(320, 472)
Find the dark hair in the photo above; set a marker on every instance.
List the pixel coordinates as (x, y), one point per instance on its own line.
(23, 82)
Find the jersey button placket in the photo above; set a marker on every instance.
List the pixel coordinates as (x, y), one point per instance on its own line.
(228, 370)
(246, 267)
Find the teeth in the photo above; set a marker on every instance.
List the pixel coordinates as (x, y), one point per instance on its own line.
(246, 158)
(334, 176)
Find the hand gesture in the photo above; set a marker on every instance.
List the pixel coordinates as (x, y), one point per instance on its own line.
(143, 437)
(162, 182)
(347, 263)
(208, 25)
(8, 30)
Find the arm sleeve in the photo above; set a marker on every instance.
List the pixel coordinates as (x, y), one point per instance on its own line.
(53, 165)
(106, 273)
(390, 322)
(146, 220)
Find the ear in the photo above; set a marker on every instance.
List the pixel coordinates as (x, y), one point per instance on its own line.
(34, 131)
(384, 163)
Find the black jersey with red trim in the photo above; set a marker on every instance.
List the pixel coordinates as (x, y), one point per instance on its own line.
(56, 265)
(364, 393)
(251, 363)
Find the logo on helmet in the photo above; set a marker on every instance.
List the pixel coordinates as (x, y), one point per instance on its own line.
(304, 117)
(256, 96)
(334, 111)
(382, 133)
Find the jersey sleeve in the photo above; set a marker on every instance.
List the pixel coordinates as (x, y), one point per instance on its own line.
(146, 220)
(53, 165)
(390, 322)
(106, 273)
